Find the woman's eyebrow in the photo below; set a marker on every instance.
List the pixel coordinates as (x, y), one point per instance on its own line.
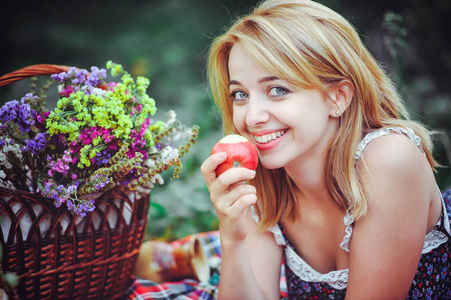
(266, 79)
(234, 82)
(260, 81)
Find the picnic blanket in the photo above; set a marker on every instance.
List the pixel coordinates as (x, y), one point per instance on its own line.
(142, 289)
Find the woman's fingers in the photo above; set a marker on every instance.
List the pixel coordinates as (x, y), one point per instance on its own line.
(240, 205)
(230, 197)
(233, 176)
(209, 166)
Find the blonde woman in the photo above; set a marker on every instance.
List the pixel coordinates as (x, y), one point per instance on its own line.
(344, 193)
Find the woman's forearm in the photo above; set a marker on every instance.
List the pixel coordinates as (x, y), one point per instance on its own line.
(237, 277)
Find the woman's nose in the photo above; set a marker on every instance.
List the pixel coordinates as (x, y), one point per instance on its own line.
(257, 111)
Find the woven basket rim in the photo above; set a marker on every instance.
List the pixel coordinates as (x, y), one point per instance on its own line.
(30, 71)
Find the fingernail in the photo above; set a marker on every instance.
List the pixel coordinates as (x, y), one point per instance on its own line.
(221, 154)
(252, 173)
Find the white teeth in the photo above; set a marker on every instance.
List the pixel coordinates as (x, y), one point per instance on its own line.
(263, 139)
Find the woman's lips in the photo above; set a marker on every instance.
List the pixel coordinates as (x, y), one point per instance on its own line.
(268, 139)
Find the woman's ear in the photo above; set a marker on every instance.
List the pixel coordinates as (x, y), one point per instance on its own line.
(340, 96)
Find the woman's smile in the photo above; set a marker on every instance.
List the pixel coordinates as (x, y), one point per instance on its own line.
(268, 140)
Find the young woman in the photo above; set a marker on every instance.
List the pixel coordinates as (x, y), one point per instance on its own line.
(344, 192)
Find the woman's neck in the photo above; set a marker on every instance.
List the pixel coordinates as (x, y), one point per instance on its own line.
(308, 177)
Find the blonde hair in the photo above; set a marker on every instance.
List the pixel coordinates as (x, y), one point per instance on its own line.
(311, 46)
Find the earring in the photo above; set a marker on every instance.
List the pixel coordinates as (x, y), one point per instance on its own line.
(337, 112)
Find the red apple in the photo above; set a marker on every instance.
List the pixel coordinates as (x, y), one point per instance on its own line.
(240, 153)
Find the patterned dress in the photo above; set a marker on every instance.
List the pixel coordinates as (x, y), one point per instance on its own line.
(433, 276)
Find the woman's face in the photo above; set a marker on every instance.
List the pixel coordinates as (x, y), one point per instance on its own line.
(289, 125)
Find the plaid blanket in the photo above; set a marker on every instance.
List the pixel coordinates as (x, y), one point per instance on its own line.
(142, 289)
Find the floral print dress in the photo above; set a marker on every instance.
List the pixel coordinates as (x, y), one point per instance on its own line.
(433, 276)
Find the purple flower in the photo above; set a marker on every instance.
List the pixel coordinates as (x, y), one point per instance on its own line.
(20, 112)
(37, 144)
(48, 186)
(102, 157)
(9, 111)
(82, 209)
(60, 76)
(71, 189)
(79, 75)
(60, 188)
(100, 181)
(70, 204)
(96, 77)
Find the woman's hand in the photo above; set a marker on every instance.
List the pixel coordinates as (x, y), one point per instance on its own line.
(251, 259)
(231, 197)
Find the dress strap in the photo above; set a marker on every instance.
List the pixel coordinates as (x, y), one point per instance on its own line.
(349, 222)
(385, 131)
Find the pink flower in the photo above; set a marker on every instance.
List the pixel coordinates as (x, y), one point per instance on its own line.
(111, 86)
(86, 141)
(67, 91)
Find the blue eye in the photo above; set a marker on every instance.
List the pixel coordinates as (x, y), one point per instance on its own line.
(238, 96)
(277, 91)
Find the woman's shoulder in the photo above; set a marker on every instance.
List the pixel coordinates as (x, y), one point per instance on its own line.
(395, 161)
(394, 151)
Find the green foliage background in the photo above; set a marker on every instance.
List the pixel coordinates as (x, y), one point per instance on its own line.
(168, 40)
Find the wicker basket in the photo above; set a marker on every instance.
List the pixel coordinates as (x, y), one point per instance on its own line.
(59, 255)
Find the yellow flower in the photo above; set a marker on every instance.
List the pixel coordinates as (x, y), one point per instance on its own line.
(127, 79)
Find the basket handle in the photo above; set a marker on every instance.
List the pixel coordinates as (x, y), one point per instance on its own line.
(33, 70)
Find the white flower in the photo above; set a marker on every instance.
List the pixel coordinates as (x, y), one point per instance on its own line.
(171, 117)
(148, 185)
(60, 88)
(168, 154)
(3, 158)
(180, 132)
(9, 150)
(14, 149)
(2, 174)
(157, 179)
(149, 163)
(97, 91)
(142, 191)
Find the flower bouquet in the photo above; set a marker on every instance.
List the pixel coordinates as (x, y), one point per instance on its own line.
(75, 181)
(99, 137)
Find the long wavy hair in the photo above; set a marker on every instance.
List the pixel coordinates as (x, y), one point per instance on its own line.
(309, 45)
